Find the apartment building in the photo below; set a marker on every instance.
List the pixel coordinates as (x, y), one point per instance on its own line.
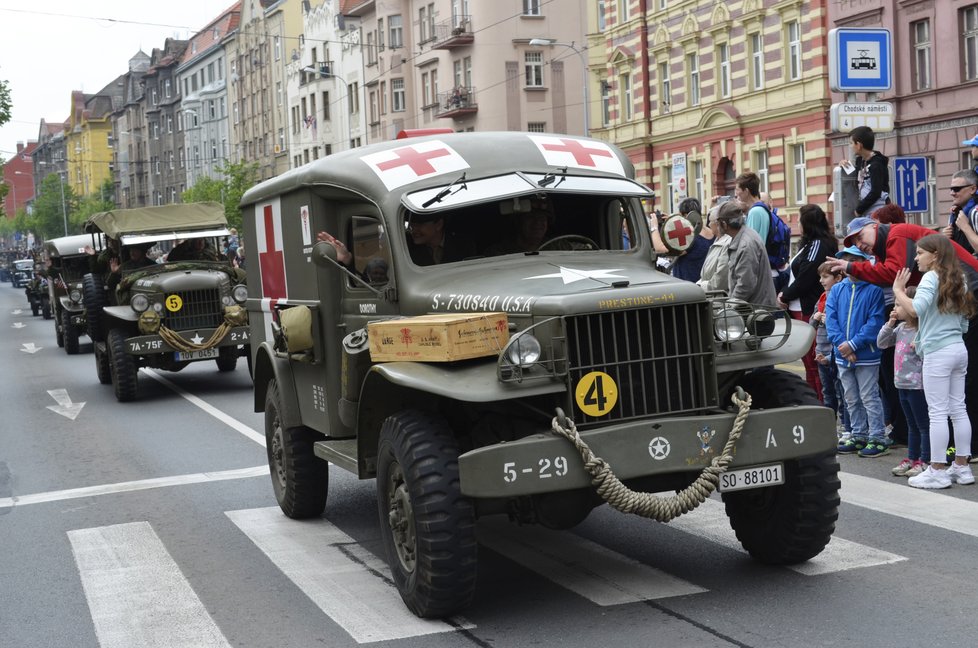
(934, 103)
(88, 138)
(162, 108)
(203, 115)
(130, 162)
(49, 155)
(18, 175)
(699, 92)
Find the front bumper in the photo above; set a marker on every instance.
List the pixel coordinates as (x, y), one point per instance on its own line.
(150, 344)
(545, 463)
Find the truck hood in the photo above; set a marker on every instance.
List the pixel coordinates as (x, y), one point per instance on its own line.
(547, 285)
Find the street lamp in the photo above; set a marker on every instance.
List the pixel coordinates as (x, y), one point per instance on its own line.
(549, 42)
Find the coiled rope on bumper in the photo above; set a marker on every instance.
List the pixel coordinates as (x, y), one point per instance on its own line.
(662, 509)
(174, 340)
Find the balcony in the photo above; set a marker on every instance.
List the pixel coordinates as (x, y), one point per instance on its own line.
(457, 103)
(454, 32)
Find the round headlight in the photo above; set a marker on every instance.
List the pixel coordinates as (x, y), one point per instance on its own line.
(728, 325)
(240, 293)
(226, 300)
(158, 307)
(139, 302)
(75, 295)
(523, 350)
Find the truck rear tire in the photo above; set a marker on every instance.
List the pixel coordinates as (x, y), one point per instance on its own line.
(122, 367)
(300, 479)
(46, 307)
(94, 297)
(428, 526)
(790, 523)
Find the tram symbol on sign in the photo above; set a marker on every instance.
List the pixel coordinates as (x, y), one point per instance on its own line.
(863, 61)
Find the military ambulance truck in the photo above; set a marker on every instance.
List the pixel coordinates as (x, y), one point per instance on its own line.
(186, 308)
(541, 355)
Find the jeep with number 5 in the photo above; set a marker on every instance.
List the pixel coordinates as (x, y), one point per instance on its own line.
(67, 264)
(476, 321)
(164, 315)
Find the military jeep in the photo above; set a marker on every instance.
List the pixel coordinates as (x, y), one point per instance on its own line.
(588, 351)
(36, 291)
(162, 315)
(68, 263)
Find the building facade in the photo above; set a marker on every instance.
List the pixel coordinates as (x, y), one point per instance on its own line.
(88, 138)
(130, 136)
(18, 175)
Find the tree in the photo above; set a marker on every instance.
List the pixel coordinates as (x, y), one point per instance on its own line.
(49, 211)
(100, 201)
(238, 178)
(5, 103)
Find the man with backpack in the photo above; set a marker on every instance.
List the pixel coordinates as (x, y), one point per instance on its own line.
(747, 265)
(774, 232)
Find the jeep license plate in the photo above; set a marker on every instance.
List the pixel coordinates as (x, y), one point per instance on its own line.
(754, 477)
(196, 355)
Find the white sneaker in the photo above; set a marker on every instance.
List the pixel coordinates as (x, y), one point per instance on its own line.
(931, 478)
(960, 474)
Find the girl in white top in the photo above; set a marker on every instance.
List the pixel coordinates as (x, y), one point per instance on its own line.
(943, 304)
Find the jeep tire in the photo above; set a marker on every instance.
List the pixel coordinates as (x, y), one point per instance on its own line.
(300, 479)
(790, 523)
(46, 307)
(70, 335)
(94, 299)
(428, 526)
(102, 368)
(122, 367)
(227, 358)
(59, 323)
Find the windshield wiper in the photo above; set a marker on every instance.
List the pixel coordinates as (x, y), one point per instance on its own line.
(446, 192)
(550, 177)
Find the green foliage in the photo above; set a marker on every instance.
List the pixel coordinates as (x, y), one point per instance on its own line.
(48, 220)
(238, 178)
(5, 104)
(100, 201)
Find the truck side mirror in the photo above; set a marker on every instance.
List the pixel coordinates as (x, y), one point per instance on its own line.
(324, 254)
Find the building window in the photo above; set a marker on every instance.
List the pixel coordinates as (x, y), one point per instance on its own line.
(325, 99)
(423, 24)
(623, 10)
(970, 21)
(534, 69)
(625, 88)
(670, 197)
(396, 31)
(605, 103)
(794, 50)
(277, 47)
(760, 168)
(665, 87)
(536, 127)
(757, 61)
(374, 117)
(425, 89)
(353, 97)
(398, 100)
(723, 56)
(920, 33)
(693, 66)
(798, 160)
(531, 7)
(380, 34)
(698, 186)
(601, 21)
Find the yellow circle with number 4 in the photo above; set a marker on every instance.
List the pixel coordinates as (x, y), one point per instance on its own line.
(174, 303)
(596, 393)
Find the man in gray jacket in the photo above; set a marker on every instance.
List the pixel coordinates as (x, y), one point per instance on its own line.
(747, 265)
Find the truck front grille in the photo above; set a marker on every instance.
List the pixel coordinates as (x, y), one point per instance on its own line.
(661, 360)
(201, 309)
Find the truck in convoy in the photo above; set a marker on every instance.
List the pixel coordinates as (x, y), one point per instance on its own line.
(67, 262)
(473, 319)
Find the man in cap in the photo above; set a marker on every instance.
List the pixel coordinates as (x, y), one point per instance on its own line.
(430, 243)
(747, 266)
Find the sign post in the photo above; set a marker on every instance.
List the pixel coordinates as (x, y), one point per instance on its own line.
(679, 177)
(860, 60)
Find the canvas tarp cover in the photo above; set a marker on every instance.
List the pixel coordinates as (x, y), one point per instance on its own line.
(162, 218)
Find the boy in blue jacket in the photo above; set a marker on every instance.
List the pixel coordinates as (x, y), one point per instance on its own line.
(854, 314)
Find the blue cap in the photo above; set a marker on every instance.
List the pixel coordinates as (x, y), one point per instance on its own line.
(853, 250)
(972, 142)
(855, 226)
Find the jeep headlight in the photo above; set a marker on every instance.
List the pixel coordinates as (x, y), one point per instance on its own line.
(728, 325)
(158, 307)
(139, 303)
(240, 293)
(523, 350)
(75, 295)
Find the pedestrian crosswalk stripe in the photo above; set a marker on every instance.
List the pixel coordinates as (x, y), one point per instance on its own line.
(584, 567)
(136, 593)
(345, 581)
(896, 498)
(710, 522)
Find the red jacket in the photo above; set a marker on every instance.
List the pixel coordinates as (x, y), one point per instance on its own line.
(895, 248)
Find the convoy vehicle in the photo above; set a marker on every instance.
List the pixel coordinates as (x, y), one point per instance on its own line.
(37, 292)
(68, 263)
(582, 348)
(21, 272)
(163, 315)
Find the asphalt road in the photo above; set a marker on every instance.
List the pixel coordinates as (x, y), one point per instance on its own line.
(153, 524)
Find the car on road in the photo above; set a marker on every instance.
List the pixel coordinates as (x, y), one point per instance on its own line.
(461, 318)
(187, 308)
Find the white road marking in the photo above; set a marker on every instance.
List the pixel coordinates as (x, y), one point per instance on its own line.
(143, 484)
(926, 507)
(210, 409)
(30, 347)
(345, 581)
(64, 405)
(136, 592)
(710, 522)
(595, 572)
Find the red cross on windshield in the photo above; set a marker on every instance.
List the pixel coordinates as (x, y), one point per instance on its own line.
(582, 154)
(417, 160)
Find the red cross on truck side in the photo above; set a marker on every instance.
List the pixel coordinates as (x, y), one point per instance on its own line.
(417, 160)
(582, 154)
(272, 261)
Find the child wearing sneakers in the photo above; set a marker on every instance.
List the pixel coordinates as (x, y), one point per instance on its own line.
(944, 305)
(854, 314)
(899, 332)
(828, 372)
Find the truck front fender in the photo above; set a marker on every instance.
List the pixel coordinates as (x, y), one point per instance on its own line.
(268, 365)
(797, 344)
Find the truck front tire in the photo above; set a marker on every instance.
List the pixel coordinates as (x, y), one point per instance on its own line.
(70, 334)
(102, 368)
(790, 523)
(227, 358)
(427, 525)
(300, 479)
(122, 367)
